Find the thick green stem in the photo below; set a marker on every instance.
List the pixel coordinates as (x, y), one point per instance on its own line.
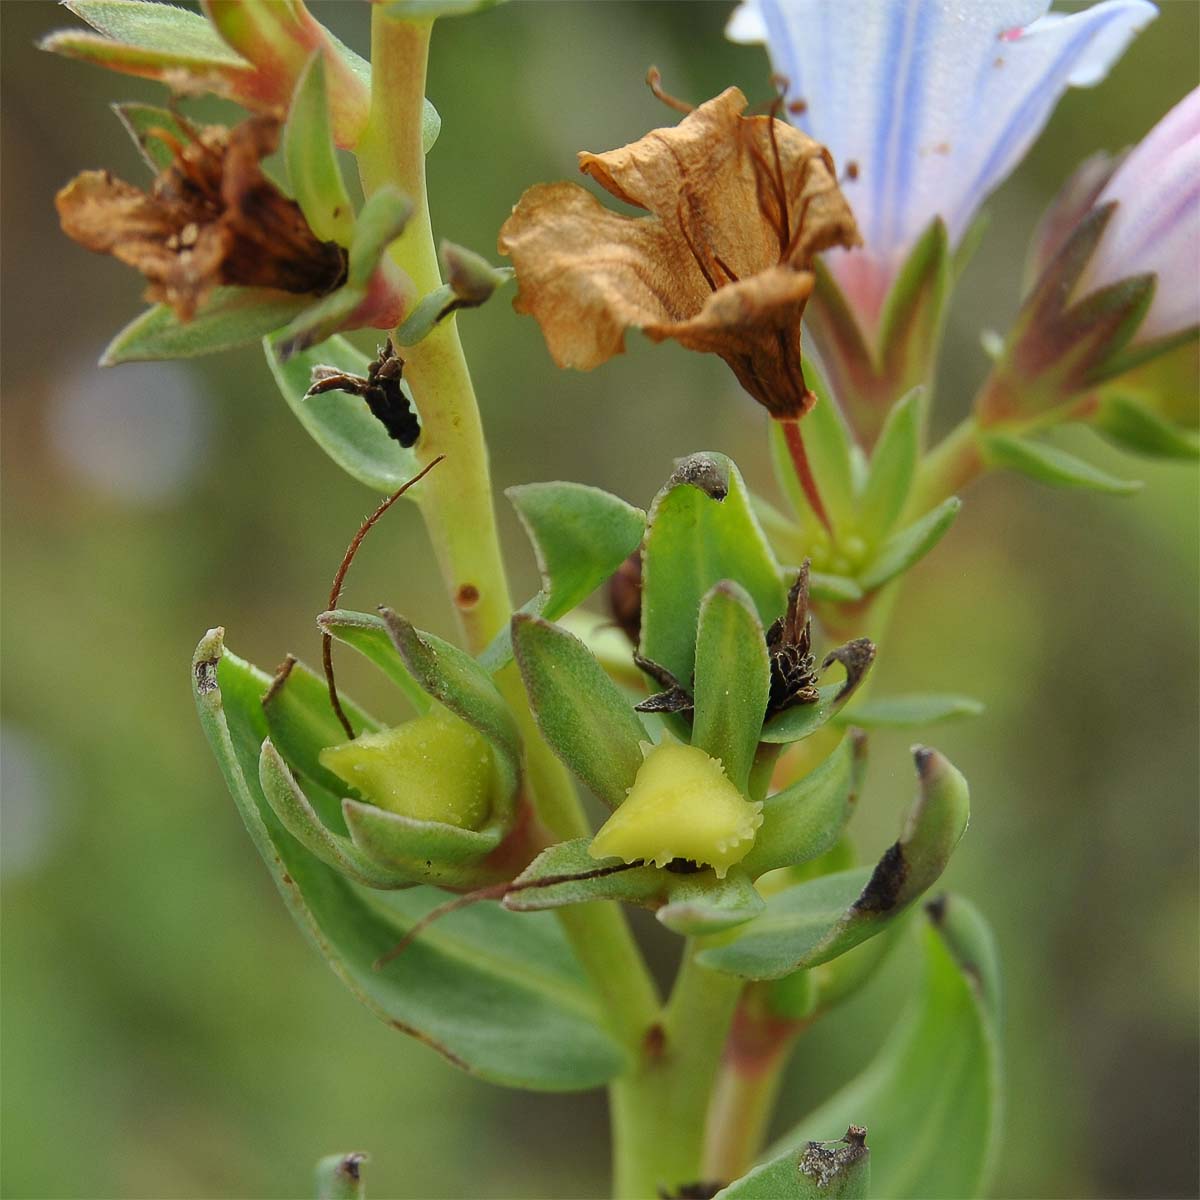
(456, 497)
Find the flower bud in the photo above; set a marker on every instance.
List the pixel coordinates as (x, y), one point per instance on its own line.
(681, 805)
(433, 768)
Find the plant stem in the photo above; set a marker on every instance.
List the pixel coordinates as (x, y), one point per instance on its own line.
(795, 444)
(456, 498)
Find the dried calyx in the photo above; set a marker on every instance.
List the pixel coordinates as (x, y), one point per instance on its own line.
(789, 647)
(211, 218)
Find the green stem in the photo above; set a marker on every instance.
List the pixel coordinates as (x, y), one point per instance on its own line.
(456, 497)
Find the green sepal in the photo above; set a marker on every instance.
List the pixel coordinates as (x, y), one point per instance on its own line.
(689, 904)
(1134, 427)
(701, 530)
(228, 318)
(838, 1170)
(806, 819)
(141, 121)
(313, 172)
(453, 678)
(802, 720)
(932, 1097)
(893, 465)
(498, 995)
(367, 634)
(733, 680)
(909, 545)
(907, 710)
(1048, 464)
(582, 714)
(580, 536)
(816, 921)
(341, 424)
(339, 1177)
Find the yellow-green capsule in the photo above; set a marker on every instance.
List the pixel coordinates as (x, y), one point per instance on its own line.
(433, 768)
(681, 805)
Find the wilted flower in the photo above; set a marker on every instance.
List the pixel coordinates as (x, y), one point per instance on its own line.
(739, 206)
(929, 104)
(211, 218)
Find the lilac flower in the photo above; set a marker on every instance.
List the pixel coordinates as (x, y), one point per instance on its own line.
(927, 105)
(1156, 225)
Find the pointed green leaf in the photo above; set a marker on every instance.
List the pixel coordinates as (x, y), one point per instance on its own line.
(498, 994)
(733, 680)
(339, 1177)
(838, 1170)
(907, 710)
(910, 545)
(144, 123)
(1136, 428)
(367, 634)
(312, 166)
(341, 424)
(230, 317)
(581, 713)
(931, 1099)
(893, 464)
(699, 903)
(701, 530)
(803, 821)
(1049, 464)
(154, 26)
(816, 921)
(381, 221)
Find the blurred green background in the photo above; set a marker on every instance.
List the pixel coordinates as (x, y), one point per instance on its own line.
(167, 1033)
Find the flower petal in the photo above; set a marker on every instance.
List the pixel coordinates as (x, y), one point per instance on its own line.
(934, 101)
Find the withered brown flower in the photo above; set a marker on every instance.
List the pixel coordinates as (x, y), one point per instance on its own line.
(738, 208)
(211, 218)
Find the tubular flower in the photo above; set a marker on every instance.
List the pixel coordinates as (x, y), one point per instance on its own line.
(738, 208)
(930, 104)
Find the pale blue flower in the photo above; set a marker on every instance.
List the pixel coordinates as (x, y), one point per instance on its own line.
(927, 105)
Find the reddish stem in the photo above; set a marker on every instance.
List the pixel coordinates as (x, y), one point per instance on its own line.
(795, 445)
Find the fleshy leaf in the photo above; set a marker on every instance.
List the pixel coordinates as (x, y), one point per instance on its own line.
(803, 821)
(932, 1096)
(1049, 464)
(367, 634)
(910, 545)
(815, 921)
(733, 680)
(341, 424)
(701, 530)
(700, 903)
(497, 994)
(1134, 427)
(228, 318)
(838, 1170)
(581, 713)
(893, 464)
(907, 710)
(313, 171)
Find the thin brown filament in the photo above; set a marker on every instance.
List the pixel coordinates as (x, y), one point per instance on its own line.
(339, 579)
(654, 83)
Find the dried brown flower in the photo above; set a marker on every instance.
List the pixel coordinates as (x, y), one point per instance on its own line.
(738, 208)
(211, 218)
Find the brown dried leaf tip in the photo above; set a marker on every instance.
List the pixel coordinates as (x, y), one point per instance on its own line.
(211, 218)
(738, 208)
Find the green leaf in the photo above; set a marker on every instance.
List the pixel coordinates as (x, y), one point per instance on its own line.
(1136, 428)
(733, 680)
(816, 921)
(154, 26)
(803, 821)
(914, 708)
(909, 545)
(452, 677)
(689, 904)
(701, 530)
(893, 464)
(581, 713)
(142, 122)
(368, 635)
(339, 1177)
(382, 220)
(931, 1099)
(838, 1170)
(497, 994)
(230, 317)
(429, 10)
(312, 166)
(1048, 464)
(837, 588)
(341, 424)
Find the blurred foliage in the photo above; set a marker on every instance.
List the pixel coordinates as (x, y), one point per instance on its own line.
(167, 1031)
